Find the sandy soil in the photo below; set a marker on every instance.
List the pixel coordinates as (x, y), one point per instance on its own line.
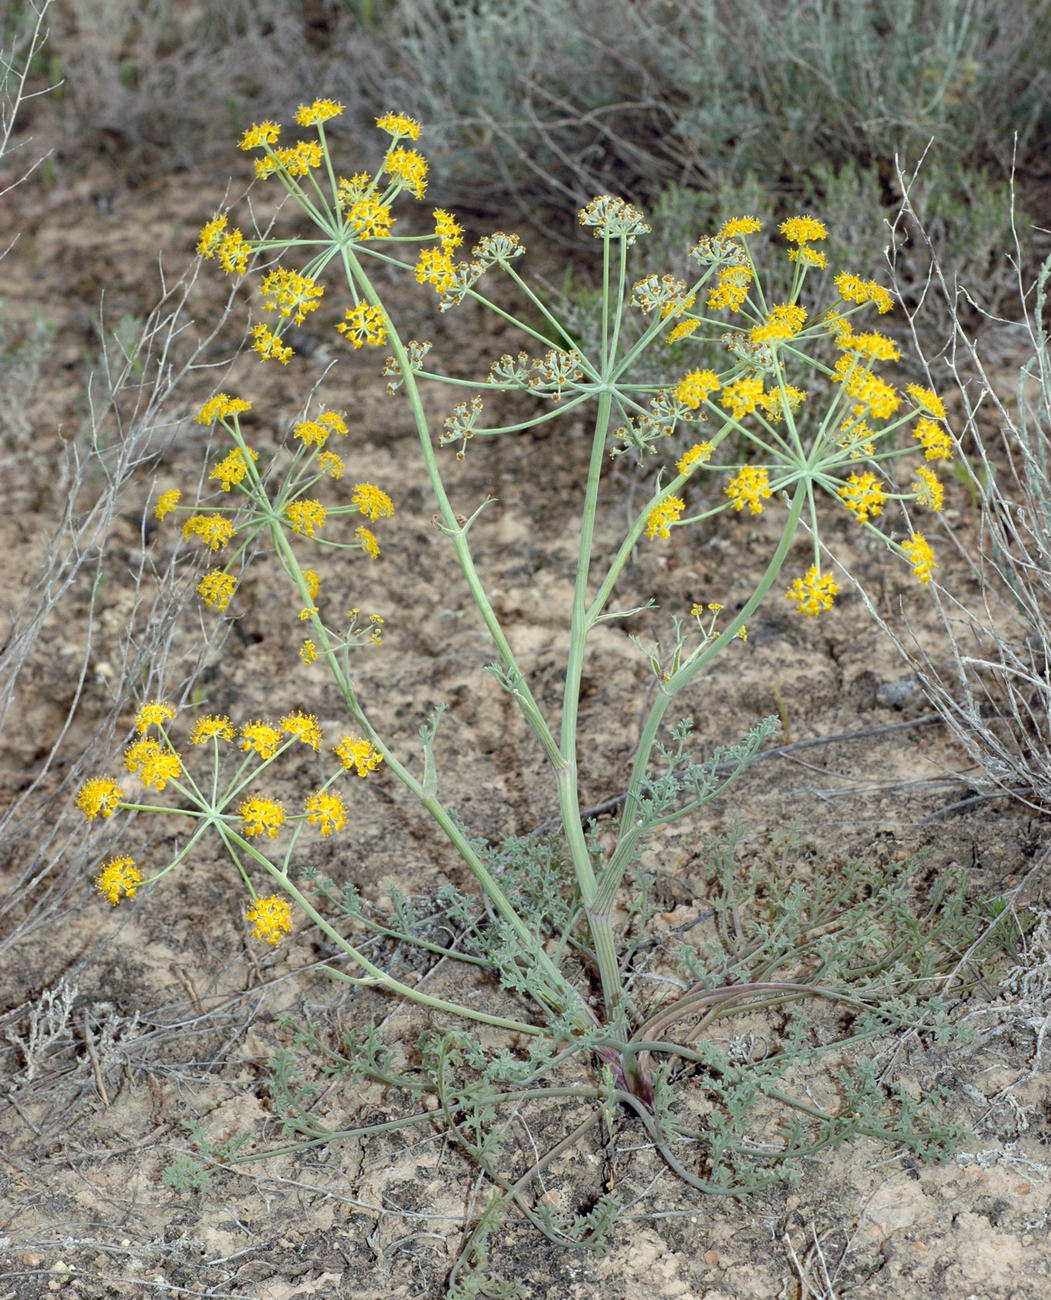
(162, 1014)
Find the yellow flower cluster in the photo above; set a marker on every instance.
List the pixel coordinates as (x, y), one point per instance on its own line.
(269, 345)
(782, 322)
(99, 797)
(213, 726)
(118, 877)
(306, 517)
(369, 218)
(662, 516)
(372, 501)
(742, 396)
(699, 454)
(853, 289)
(919, 552)
(214, 530)
(270, 918)
(230, 470)
(360, 755)
(928, 489)
(814, 592)
(731, 288)
(397, 125)
(261, 816)
(290, 293)
(364, 324)
(217, 588)
(696, 387)
(167, 501)
(863, 496)
(750, 487)
(935, 441)
(408, 169)
(739, 226)
(155, 765)
(219, 407)
(327, 810)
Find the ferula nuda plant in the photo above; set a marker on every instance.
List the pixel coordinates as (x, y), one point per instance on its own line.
(789, 413)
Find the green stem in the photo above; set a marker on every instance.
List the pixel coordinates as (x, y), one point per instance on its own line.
(631, 824)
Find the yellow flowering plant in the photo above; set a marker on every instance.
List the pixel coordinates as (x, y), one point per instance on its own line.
(795, 384)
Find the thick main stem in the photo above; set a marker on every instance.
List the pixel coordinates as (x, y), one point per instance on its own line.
(568, 787)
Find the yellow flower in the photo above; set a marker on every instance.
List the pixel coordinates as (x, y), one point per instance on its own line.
(863, 496)
(775, 401)
(877, 347)
(397, 124)
(139, 753)
(802, 230)
(210, 237)
(306, 517)
(260, 737)
(262, 816)
(308, 652)
(361, 755)
(331, 464)
(448, 230)
(313, 582)
(739, 226)
(214, 530)
(232, 468)
(783, 322)
(682, 331)
(364, 324)
(813, 592)
(160, 768)
(741, 397)
(156, 766)
(853, 289)
(166, 503)
(214, 726)
(662, 516)
(369, 218)
(259, 134)
(303, 726)
(699, 454)
(154, 713)
(696, 387)
(409, 169)
(333, 421)
(435, 266)
(874, 395)
(269, 345)
(270, 918)
(809, 257)
(233, 252)
(290, 293)
(99, 797)
(294, 162)
(327, 810)
(928, 489)
(930, 401)
(750, 487)
(935, 441)
(312, 433)
(319, 111)
(368, 542)
(219, 407)
(217, 588)
(372, 501)
(732, 288)
(118, 876)
(921, 556)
